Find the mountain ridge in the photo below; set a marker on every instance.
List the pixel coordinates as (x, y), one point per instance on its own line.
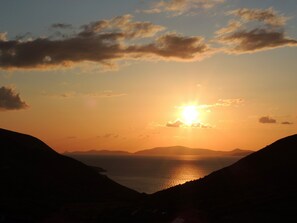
(98, 152)
(165, 151)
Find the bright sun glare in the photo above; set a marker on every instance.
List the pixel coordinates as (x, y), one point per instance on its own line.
(190, 114)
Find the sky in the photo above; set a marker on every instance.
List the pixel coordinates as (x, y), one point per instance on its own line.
(137, 74)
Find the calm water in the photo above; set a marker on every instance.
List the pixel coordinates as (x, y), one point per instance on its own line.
(151, 174)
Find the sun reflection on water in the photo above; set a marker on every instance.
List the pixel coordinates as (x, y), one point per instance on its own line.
(183, 173)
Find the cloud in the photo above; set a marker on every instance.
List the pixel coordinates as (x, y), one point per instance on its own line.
(178, 123)
(200, 125)
(233, 25)
(143, 136)
(103, 94)
(68, 95)
(223, 103)
(257, 40)
(105, 42)
(230, 102)
(10, 100)
(102, 42)
(61, 26)
(173, 45)
(110, 135)
(122, 25)
(266, 120)
(106, 94)
(175, 124)
(181, 6)
(268, 16)
(245, 36)
(287, 123)
(3, 36)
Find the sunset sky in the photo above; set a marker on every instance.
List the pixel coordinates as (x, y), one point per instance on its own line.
(136, 74)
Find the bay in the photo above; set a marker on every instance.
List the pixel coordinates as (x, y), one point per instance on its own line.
(150, 174)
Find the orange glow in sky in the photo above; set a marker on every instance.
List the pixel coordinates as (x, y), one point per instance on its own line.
(101, 76)
(190, 114)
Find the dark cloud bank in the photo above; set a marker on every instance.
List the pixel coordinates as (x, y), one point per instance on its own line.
(10, 100)
(243, 36)
(102, 41)
(106, 41)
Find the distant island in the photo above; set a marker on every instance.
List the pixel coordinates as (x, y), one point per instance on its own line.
(99, 152)
(181, 150)
(165, 151)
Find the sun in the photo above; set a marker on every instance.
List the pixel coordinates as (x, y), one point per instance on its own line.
(189, 114)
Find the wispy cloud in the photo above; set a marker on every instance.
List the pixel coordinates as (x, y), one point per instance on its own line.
(102, 94)
(287, 123)
(106, 94)
(178, 7)
(268, 16)
(223, 103)
(233, 25)
(178, 123)
(10, 100)
(244, 36)
(61, 26)
(123, 26)
(69, 94)
(111, 135)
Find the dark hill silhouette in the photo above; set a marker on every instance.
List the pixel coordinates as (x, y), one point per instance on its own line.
(35, 180)
(261, 187)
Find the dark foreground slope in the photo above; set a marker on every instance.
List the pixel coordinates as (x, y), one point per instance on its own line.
(36, 181)
(261, 187)
(39, 185)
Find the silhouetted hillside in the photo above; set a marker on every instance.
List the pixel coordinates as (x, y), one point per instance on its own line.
(261, 187)
(35, 180)
(39, 185)
(239, 152)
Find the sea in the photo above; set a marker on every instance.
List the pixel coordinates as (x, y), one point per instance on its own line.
(150, 174)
